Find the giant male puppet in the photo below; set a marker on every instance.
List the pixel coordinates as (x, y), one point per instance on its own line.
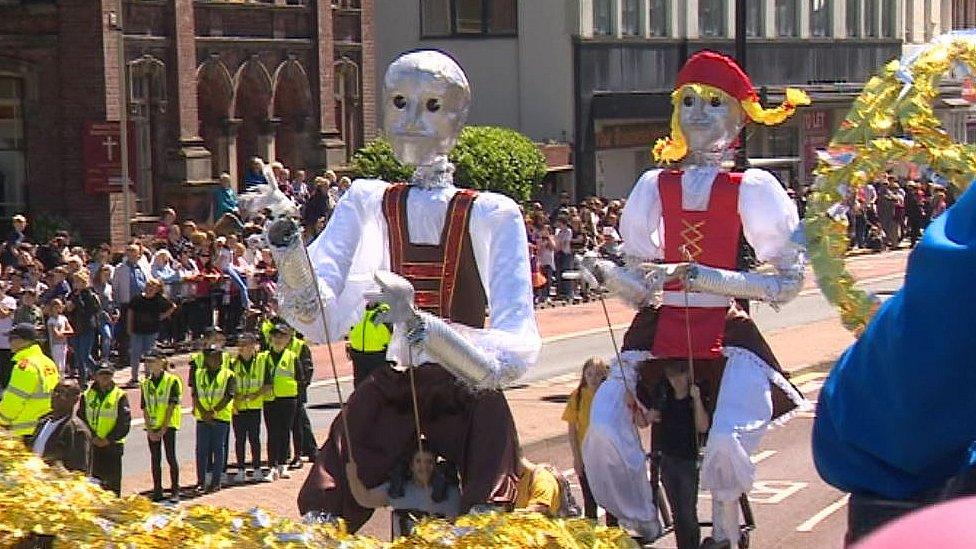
(440, 256)
(681, 231)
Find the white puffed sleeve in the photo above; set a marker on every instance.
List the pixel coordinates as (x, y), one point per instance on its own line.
(502, 254)
(640, 222)
(769, 217)
(347, 253)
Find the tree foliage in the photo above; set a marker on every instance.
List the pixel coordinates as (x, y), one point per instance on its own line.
(486, 158)
(376, 161)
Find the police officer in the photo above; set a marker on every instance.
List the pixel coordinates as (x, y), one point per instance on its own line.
(105, 409)
(303, 439)
(214, 386)
(32, 380)
(367, 343)
(248, 404)
(281, 387)
(161, 393)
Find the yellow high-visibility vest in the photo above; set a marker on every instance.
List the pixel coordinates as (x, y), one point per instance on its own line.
(209, 394)
(102, 413)
(196, 359)
(249, 381)
(285, 384)
(368, 337)
(156, 398)
(28, 394)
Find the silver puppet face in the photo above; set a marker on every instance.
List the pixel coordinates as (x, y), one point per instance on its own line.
(426, 102)
(709, 122)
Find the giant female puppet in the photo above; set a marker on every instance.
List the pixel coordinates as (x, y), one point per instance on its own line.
(440, 256)
(681, 231)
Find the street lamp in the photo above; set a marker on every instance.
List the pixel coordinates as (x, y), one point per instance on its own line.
(741, 155)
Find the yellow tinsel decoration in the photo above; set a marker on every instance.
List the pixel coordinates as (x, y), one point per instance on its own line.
(41, 501)
(887, 104)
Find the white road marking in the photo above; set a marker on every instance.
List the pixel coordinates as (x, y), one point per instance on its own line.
(809, 376)
(810, 386)
(765, 454)
(873, 280)
(823, 514)
(774, 491)
(594, 331)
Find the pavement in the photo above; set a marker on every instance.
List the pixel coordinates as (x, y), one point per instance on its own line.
(792, 507)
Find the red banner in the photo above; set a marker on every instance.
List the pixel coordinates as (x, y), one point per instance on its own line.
(102, 151)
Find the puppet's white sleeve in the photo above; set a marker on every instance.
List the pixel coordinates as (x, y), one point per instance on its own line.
(769, 217)
(640, 222)
(345, 255)
(501, 251)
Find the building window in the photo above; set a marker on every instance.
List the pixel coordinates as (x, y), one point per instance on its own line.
(440, 18)
(12, 147)
(787, 13)
(631, 17)
(754, 19)
(819, 18)
(853, 18)
(603, 17)
(657, 18)
(888, 18)
(871, 18)
(711, 18)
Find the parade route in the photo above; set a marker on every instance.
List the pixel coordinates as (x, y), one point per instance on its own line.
(793, 507)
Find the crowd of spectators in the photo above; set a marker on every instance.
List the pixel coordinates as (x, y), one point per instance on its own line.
(559, 235)
(884, 213)
(164, 289)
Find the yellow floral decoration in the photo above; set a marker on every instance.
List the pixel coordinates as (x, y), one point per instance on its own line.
(892, 120)
(39, 503)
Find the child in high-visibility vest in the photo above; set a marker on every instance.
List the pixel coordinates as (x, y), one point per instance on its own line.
(161, 393)
(281, 388)
(248, 403)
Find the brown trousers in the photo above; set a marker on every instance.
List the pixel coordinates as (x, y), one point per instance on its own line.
(475, 431)
(740, 331)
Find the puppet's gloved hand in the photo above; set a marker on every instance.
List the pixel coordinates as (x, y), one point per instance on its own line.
(397, 293)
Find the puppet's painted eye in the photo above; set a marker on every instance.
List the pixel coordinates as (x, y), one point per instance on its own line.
(399, 102)
(433, 105)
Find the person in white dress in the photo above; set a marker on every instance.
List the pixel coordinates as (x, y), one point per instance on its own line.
(681, 241)
(455, 253)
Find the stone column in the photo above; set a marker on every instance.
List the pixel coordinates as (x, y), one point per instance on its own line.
(838, 16)
(191, 163)
(226, 155)
(330, 148)
(266, 138)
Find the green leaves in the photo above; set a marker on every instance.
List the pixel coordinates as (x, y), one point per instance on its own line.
(486, 158)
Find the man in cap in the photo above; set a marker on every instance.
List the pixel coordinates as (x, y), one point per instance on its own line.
(33, 378)
(214, 386)
(61, 436)
(105, 410)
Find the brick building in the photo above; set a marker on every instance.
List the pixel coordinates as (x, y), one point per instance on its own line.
(209, 84)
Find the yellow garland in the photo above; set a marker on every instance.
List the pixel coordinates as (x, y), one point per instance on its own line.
(884, 107)
(38, 500)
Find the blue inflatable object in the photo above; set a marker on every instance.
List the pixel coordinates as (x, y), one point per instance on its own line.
(897, 415)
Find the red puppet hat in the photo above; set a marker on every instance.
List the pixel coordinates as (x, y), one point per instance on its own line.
(719, 71)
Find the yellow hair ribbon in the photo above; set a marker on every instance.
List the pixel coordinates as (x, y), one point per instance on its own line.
(776, 115)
